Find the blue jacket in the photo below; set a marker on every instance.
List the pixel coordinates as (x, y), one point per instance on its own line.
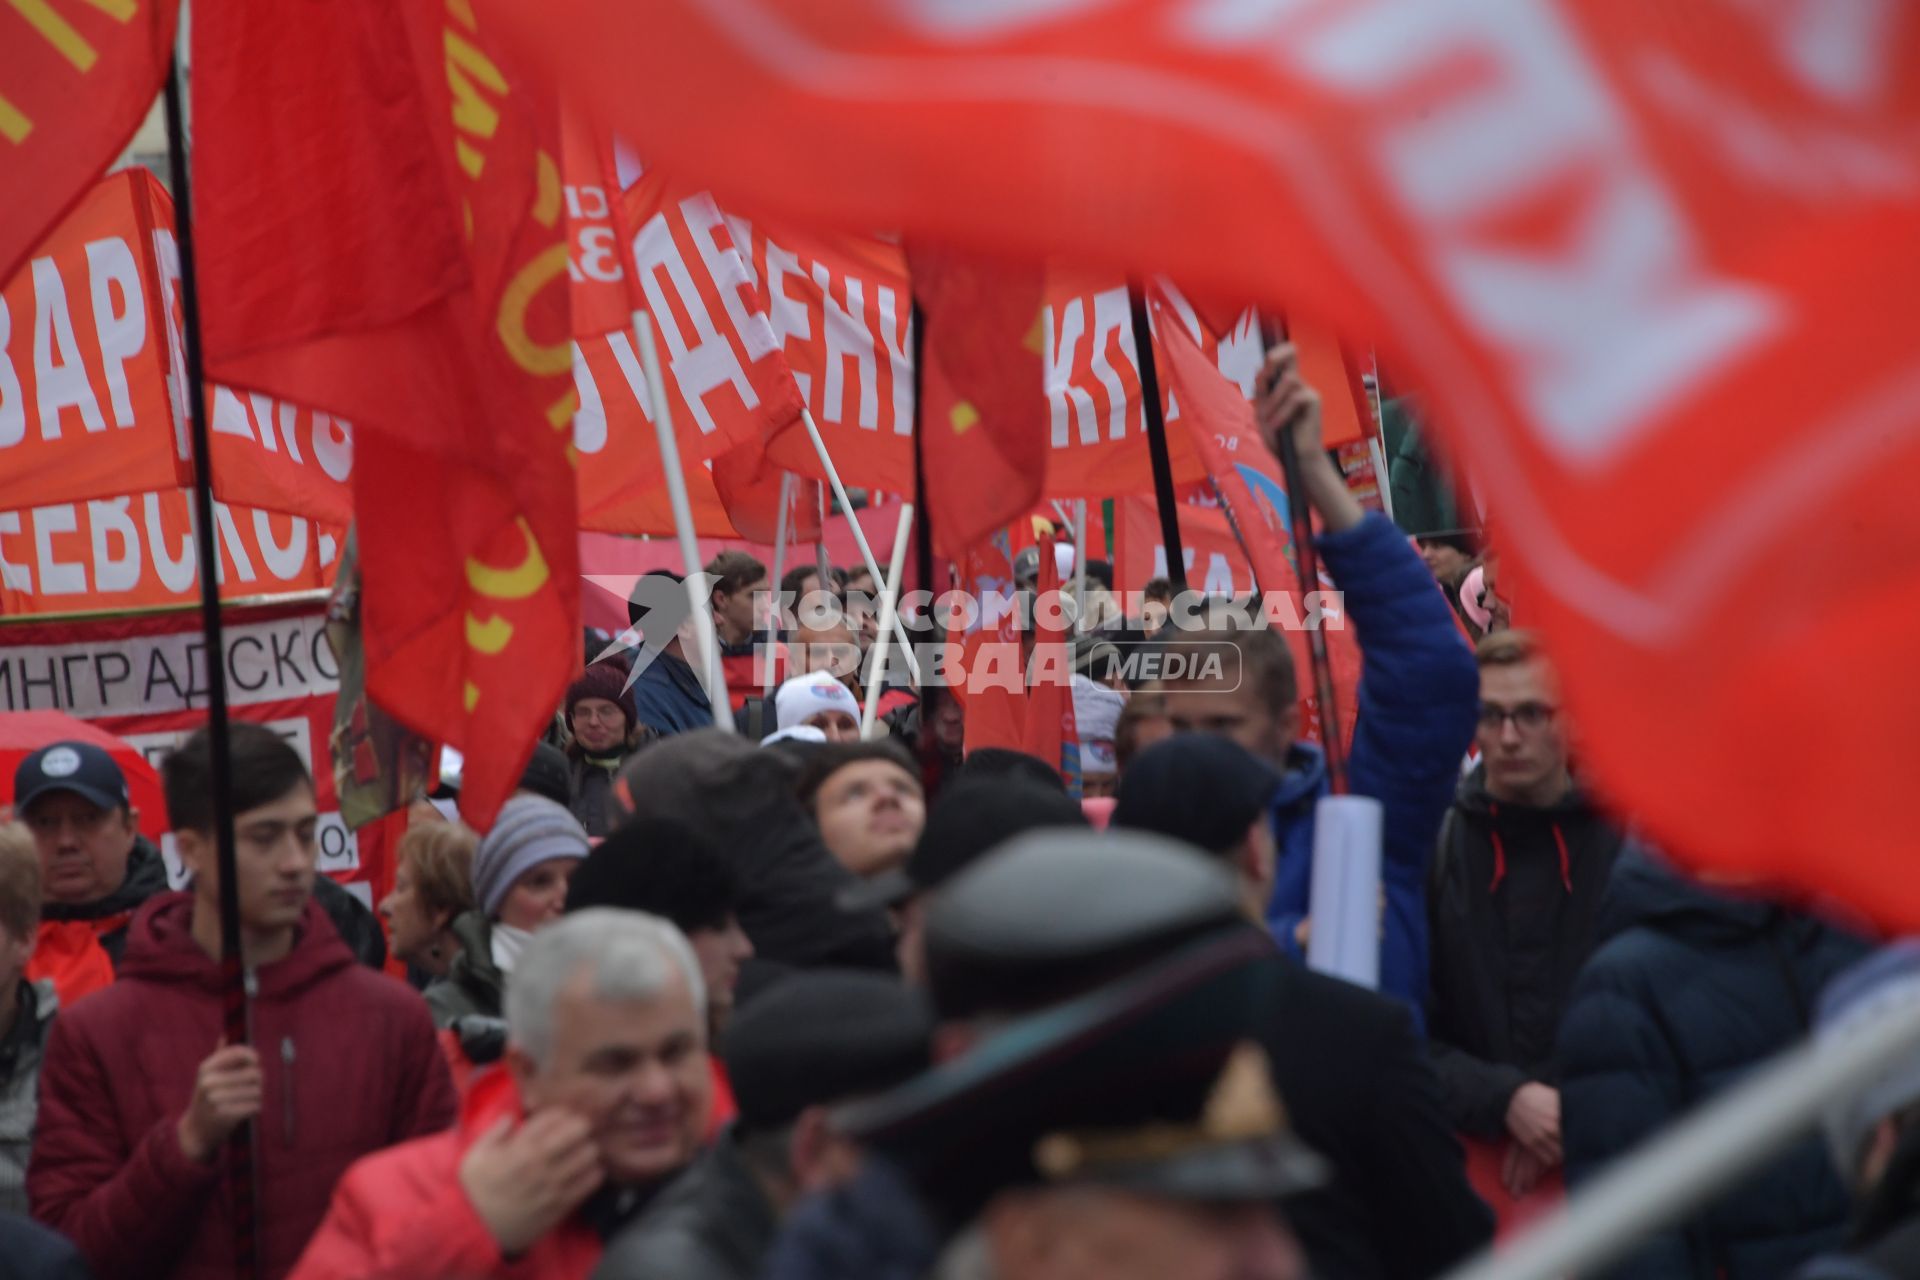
(1687, 992)
(668, 697)
(1419, 697)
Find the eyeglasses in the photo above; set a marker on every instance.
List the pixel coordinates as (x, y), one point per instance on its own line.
(1526, 717)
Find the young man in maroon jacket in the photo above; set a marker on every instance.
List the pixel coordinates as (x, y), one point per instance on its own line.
(139, 1092)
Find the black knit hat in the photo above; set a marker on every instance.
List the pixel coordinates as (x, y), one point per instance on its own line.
(1197, 787)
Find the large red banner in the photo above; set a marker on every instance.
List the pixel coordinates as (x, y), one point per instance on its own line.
(1649, 261)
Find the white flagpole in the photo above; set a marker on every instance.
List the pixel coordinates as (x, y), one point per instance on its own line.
(853, 518)
(889, 618)
(697, 600)
(781, 529)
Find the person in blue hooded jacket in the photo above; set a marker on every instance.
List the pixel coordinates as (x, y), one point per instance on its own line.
(1419, 697)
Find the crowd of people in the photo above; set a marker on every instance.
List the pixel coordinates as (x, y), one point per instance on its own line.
(808, 1002)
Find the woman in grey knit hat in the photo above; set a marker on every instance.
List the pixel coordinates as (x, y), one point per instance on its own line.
(520, 874)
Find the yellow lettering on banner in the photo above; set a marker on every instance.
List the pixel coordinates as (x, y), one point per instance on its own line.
(471, 696)
(544, 268)
(472, 113)
(560, 412)
(58, 32)
(471, 161)
(463, 11)
(14, 125)
(489, 637)
(964, 418)
(118, 10)
(517, 583)
(546, 199)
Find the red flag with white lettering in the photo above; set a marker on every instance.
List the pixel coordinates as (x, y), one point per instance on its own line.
(75, 81)
(1648, 261)
(384, 238)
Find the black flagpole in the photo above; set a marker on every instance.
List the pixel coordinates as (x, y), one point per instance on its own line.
(241, 1188)
(1156, 419)
(922, 517)
(1307, 562)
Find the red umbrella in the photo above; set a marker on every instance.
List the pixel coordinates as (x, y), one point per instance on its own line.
(24, 732)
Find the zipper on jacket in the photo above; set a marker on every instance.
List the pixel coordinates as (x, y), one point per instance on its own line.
(286, 1089)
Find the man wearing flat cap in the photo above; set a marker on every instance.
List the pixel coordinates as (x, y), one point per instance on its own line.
(1355, 1078)
(813, 1039)
(1107, 1108)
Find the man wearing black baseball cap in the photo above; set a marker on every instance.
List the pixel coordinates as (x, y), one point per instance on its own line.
(1354, 1076)
(812, 1040)
(96, 868)
(969, 817)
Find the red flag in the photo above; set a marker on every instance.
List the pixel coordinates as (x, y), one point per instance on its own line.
(985, 416)
(385, 239)
(1651, 271)
(1220, 424)
(75, 81)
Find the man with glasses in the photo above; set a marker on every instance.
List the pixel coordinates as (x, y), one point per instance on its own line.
(1513, 898)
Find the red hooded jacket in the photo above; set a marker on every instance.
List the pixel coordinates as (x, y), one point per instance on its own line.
(351, 1066)
(403, 1215)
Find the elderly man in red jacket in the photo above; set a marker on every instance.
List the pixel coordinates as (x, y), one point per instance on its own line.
(138, 1093)
(602, 1102)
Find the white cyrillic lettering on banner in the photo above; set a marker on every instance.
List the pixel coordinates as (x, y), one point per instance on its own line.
(13, 406)
(284, 561)
(900, 356)
(166, 257)
(636, 377)
(787, 314)
(1062, 394)
(708, 361)
(1625, 318)
(333, 445)
(229, 536)
(176, 572)
(847, 339)
(728, 268)
(59, 374)
(57, 577)
(590, 419)
(229, 415)
(109, 520)
(14, 577)
(1113, 315)
(123, 329)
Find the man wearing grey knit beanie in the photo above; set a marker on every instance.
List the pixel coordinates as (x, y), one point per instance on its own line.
(520, 874)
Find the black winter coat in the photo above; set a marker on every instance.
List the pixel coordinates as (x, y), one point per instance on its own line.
(1687, 993)
(1885, 1241)
(1358, 1089)
(1513, 904)
(713, 1222)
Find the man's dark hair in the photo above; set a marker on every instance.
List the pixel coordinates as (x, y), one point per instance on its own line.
(829, 758)
(1462, 540)
(1101, 571)
(1005, 762)
(733, 571)
(1160, 589)
(262, 767)
(662, 867)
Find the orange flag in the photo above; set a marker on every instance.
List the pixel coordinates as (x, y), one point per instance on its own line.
(385, 238)
(985, 416)
(75, 81)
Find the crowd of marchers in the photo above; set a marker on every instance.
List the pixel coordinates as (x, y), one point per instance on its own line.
(810, 1002)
